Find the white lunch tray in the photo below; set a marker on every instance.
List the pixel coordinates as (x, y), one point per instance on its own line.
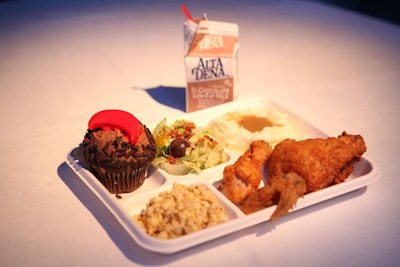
(123, 209)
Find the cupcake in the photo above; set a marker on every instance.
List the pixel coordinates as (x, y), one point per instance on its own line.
(119, 149)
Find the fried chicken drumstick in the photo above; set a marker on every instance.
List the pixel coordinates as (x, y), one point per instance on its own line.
(296, 168)
(244, 176)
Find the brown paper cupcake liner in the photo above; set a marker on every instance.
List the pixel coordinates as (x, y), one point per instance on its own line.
(121, 182)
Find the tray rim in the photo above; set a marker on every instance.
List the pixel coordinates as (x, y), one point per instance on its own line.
(170, 246)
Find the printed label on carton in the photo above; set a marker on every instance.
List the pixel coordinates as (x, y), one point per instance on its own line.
(211, 50)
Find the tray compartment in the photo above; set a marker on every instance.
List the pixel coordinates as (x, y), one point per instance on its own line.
(135, 204)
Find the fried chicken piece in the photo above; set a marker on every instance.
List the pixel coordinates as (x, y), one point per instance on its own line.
(319, 162)
(244, 176)
(283, 191)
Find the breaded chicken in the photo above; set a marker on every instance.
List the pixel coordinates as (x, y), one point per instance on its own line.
(283, 191)
(319, 162)
(245, 175)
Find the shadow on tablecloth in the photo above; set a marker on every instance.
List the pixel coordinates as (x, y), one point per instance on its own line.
(174, 97)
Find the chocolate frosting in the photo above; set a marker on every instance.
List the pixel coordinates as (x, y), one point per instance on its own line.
(111, 150)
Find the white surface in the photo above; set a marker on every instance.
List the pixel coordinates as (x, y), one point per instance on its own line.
(61, 62)
(365, 172)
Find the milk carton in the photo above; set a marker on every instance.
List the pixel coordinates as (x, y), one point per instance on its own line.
(211, 52)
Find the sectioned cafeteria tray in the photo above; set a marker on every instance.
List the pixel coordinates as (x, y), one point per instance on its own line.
(365, 172)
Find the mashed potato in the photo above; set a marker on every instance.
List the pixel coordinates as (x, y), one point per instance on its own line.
(239, 128)
(184, 210)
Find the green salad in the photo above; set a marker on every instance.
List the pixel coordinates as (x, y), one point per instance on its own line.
(184, 148)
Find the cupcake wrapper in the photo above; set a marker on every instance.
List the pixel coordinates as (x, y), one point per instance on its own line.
(121, 182)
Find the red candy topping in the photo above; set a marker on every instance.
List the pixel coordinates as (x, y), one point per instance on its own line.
(117, 119)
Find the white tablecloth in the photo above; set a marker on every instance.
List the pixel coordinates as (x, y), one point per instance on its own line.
(61, 61)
